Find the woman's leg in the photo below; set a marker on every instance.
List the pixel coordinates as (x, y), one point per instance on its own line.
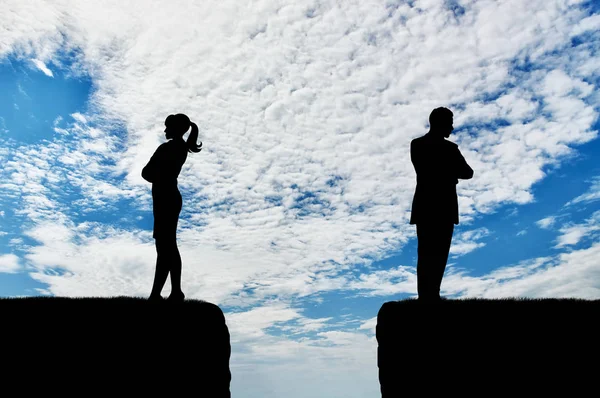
(166, 216)
(168, 261)
(162, 267)
(176, 293)
(175, 271)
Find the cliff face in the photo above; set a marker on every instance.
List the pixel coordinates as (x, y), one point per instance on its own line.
(484, 347)
(118, 346)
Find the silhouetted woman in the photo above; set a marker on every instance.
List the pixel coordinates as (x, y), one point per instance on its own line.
(162, 171)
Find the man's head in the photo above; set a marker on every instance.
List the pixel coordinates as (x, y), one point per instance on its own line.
(440, 121)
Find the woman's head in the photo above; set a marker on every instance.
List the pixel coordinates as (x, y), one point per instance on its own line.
(177, 125)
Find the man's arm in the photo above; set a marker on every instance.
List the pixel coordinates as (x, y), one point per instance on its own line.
(463, 170)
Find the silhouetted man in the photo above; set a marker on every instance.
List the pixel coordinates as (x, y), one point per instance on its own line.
(438, 164)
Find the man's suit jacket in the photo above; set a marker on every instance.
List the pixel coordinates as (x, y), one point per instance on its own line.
(438, 164)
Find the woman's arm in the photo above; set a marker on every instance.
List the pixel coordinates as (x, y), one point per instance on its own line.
(150, 171)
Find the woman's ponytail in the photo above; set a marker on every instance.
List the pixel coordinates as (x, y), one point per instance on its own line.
(192, 138)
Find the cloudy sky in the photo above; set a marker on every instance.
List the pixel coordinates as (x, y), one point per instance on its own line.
(295, 214)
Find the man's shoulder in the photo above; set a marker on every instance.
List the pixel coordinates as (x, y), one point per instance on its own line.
(418, 140)
(427, 139)
(451, 144)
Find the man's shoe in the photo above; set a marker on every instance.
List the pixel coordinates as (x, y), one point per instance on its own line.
(430, 299)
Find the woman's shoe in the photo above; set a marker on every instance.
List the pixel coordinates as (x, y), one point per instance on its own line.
(176, 297)
(155, 298)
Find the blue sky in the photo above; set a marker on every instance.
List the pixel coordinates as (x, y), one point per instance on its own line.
(295, 214)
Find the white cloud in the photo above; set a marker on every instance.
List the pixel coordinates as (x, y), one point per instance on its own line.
(401, 279)
(15, 241)
(546, 222)
(75, 262)
(79, 117)
(572, 234)
(3, 128)
(573, 274)
(369, 324)
(591, 195)
(42, 66)
(338, 364)
(348, 358)
(567, 275)
(466, 241)
(590, 23)
(311, 325)
(9, 263)
(252, 324)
